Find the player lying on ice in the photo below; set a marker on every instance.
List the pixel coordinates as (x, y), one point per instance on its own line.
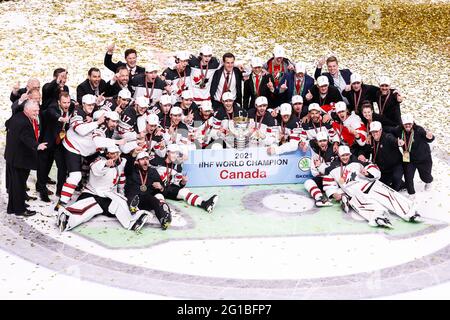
(103, 194)
(356, 185)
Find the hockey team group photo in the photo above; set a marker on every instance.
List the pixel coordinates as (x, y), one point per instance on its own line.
(224, 150)
(119, 146)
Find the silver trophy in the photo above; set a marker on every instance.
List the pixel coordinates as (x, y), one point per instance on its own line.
(241, 129)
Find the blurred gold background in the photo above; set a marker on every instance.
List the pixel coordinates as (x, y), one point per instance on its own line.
(406, 40)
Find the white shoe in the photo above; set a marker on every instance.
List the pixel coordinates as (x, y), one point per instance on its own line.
(428, 186)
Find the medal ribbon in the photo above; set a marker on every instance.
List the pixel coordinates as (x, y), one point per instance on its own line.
(143, 181)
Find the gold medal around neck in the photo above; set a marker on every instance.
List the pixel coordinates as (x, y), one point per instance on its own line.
(143, 188)
(406, 156)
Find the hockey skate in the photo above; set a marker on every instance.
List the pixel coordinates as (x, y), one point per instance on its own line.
(344, 203)
(58, 205)
(381, 222)
(140, 222)
(134, 204)
(209, 204)
(416, 218)
(166, 220)
(323, 201)
(62, 220)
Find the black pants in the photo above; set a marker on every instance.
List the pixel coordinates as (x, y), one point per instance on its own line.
(17, 181)
(150, 202)
(319, 181)
(46, 158)
(393, 177)
(424, 169)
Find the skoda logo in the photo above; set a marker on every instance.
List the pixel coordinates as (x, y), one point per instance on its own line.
(304, 163)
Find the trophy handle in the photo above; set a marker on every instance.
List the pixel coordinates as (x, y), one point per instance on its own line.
(232, 128)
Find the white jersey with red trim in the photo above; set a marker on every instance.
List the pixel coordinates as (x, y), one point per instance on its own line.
(203, 132)
(104, 179)
(201, 77)
(169, 173)
(344, 178)
(221, 130)
(312, 129)
(79, 136)
(293, 137)
(103, 137)
(262, 134)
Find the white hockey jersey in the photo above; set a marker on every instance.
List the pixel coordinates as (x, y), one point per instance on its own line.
(340, 178)
(103, 179)
(79, 138)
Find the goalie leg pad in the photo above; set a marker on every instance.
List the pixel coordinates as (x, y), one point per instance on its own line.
(392, 200)
(81, 211)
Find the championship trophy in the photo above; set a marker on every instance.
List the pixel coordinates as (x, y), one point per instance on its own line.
(241, 130)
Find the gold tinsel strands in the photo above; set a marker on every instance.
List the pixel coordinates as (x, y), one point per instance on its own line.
(410, 43)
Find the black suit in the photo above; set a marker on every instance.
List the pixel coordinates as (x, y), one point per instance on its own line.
(85, 88)
(250, 94)
(50, 93)
(215, 85)
(113, 66)
(54, 151)
(345, 73)
(21, 157)
(113, 90)
(17, 107)
(14, 97)
(333, 95)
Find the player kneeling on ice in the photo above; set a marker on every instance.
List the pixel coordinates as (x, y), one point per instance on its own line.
(143, 189)
(103, 194)
(356, 185)
(322, 154)
(174, 182)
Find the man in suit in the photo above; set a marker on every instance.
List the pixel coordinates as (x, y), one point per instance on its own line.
(295, 83)
(21, 155)
(57, 116)
(32, 94)
(226, 78)
(18, 92)
(130, 64)
(256, 85)
(51, 90)
(94, 85)
(339, 78)
(118, 82)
